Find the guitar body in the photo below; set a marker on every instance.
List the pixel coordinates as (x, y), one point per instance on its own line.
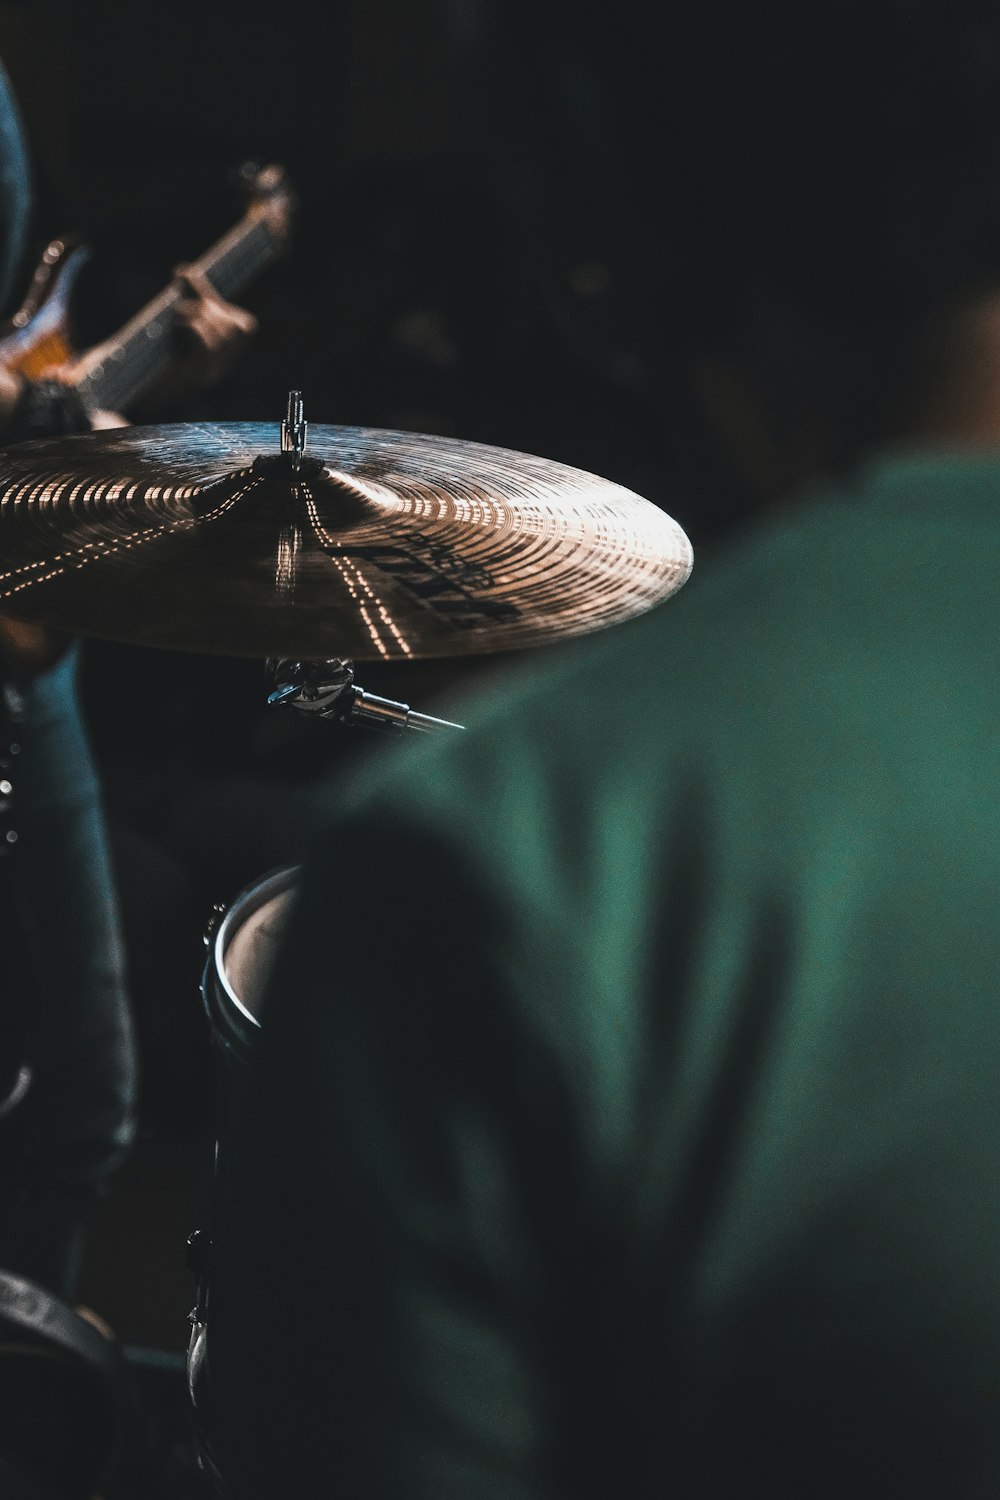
(38, 339)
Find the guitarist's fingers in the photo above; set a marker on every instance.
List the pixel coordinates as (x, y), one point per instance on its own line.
(216, 331)
(208, 306)
(216, 338)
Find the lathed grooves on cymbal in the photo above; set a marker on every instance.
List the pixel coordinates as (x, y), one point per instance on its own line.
(380, 544)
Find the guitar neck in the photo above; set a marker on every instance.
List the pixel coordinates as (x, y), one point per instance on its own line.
(114, 373)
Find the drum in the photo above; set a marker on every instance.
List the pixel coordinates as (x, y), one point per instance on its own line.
(241, 941)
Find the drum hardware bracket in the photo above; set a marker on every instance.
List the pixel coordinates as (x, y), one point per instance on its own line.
(327, 689)
(211, 926)
(199, 1398)
(199, 1247)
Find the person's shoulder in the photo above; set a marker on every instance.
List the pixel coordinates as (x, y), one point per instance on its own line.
(740, 646)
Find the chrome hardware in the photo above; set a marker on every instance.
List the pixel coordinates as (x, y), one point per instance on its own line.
(327, 689)
(294, 429)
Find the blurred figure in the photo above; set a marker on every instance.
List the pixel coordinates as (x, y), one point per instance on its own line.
(625, 1116)
(69, 1066)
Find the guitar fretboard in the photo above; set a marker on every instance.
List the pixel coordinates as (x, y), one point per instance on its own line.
(114, 373)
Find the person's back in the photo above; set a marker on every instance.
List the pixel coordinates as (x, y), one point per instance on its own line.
(667, 1049)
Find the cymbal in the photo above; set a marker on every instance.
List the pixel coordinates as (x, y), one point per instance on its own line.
(227, 538)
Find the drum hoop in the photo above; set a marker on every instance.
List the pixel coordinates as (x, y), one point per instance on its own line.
(249, 900)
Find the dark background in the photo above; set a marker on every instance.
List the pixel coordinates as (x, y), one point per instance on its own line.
(416, 295)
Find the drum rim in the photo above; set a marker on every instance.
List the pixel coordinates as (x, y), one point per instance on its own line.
(249, 900)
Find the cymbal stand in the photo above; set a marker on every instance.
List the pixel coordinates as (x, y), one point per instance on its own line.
(327, 690)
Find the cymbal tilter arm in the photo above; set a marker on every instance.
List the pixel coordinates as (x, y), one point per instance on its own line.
(327, 690)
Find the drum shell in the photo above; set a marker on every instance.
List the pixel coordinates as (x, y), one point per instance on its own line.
(231, 1011)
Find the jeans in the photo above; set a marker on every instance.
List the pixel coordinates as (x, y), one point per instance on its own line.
(61, 1144)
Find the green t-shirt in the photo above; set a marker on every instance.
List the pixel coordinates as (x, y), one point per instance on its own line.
(626, 1114)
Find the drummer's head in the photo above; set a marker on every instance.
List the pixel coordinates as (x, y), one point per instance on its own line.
(790, 200)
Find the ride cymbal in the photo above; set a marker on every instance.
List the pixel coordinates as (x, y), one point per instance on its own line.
(212, 537)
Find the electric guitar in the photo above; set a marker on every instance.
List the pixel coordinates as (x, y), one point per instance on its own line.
(37, 341)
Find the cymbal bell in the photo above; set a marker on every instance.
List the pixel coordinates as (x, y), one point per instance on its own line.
(220, 538)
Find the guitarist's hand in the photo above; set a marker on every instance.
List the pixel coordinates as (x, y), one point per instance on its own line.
(10, 392)
(211, 332)
(102, 421)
